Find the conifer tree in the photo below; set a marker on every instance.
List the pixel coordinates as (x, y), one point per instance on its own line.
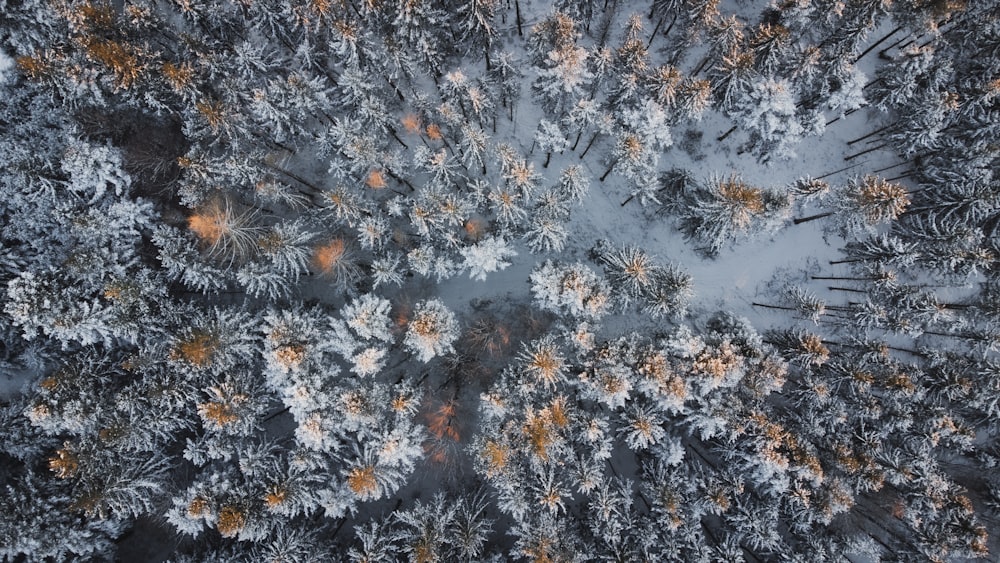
(572, 289)
(550, 139)
(198, 201)
(431, 331)
(727, 208)
(733, 77)
(870, 201)
(768, 113)
(476, 26)
(561, 82)
(505, 77)
(36, 524)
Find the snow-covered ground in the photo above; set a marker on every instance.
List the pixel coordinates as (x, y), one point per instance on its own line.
(753, 269)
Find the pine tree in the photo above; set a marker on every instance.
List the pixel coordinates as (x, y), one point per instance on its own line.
(505, 77)
(847, 93)
(897, 83)
(769, 44)
(629, 271)
(571, 289)
(733, 77)
(336, 261)
(800, 347)
(669, 293)
(563, 73)
(632, 57)
(476, 26)
(573, 183)
(633, 156)
(546, 232)
(882, 250)
(727, 208)
(36, 523)
(419, 26)
(694, 97)
(581, 116)
(507, 207)
(226, 233)
(488, 255)
(550, 139)
(563, 79)
(474, 144)
(431, 330)
(768, 113)
(869, 201)
(802, 302)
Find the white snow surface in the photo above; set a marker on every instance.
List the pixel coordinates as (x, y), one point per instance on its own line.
(744, 271)
(6, 64)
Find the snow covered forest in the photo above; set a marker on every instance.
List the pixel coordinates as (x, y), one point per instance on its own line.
(499, 280)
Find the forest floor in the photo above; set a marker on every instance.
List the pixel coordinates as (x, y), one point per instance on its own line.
(750, 270)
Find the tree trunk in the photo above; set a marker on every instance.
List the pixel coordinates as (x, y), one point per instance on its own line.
(839, 170)
(882, 54)
(316, 189)
(576, 142)
(801, 220)
(548, 157)
(592, 139)
(948, 334)
(400, 180)
(447, 145)
(873, 133)
(848, 289)
(773, 306)
(671, 26)
(908, 43)
(279, 145)
(610, 168)
(866, 151)
(872, 83)
(874, 45)
(517, 12)
(276, 414)
(891, 167)
(399, 93)
(606, 22)
(726, 134)
(847, 278)
(396, 136)
(701, 66)
(653, 35)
